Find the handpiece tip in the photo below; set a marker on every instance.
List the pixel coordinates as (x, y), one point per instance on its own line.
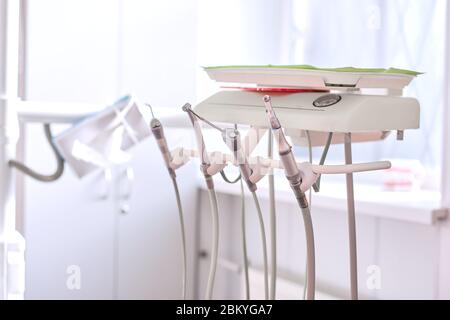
(273, 120)
(186, 107)
(151, 109)
(155, 123)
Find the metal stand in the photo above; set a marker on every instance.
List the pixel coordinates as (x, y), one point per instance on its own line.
(273, 225)
(12, 244)
(351, 220)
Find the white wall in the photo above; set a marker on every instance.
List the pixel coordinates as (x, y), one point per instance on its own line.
(65, 222)
(157, 63)
(237, 32)
(94, 51)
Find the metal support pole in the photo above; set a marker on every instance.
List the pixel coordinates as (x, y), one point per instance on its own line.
(445, 181)
(11, 243)
(351, 220)
(443, 274)
(273, 224)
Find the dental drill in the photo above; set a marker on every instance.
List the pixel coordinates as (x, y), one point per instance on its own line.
(243, 230)
(294, 177)
(208, 171)
(158, 133)
(232, 139)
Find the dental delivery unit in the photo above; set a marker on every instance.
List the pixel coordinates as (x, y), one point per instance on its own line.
(314, 107)
(308, 106)
(311, 106)
(303, 105)
(298, 104)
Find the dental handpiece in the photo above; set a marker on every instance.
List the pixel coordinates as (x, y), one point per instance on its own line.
(205, 163)
(294, 177)
(232, 139)
(286, 155)
(158, 132)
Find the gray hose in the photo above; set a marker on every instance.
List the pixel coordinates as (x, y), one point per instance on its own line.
(215, 243)
(227, 180)
(264, 245)
(183, 237)
(35, 175)
(310, 204)
(310, 252)
(244, 244)
(316, 185)
(244, 240)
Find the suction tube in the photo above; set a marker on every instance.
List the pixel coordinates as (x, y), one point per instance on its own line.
(215, 243)
(212, 198)
(294, 177)
(38, 176)
(158, 132)
(183, 236)
(243, 231)
(232, 139)
(264, 245)
(244, 243)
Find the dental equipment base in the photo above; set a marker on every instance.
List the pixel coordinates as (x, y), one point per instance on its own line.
(328, 107)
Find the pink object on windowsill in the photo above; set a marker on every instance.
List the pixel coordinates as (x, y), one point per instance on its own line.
(404, 175)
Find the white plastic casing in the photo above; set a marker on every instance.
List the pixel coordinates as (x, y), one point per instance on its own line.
(353, 113)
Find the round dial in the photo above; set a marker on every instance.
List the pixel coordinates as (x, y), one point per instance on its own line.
(327, 100)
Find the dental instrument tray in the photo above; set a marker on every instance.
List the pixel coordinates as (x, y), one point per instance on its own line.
(306, 76)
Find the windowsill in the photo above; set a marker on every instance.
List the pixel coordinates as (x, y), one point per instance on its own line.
(423, 207)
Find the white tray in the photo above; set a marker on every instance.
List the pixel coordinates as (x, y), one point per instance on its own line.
(305, 78)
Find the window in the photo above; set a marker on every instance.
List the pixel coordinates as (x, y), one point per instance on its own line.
(378, 33)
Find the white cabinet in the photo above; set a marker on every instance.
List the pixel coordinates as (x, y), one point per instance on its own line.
(122, 234)
(149, 261)
(67, 224)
